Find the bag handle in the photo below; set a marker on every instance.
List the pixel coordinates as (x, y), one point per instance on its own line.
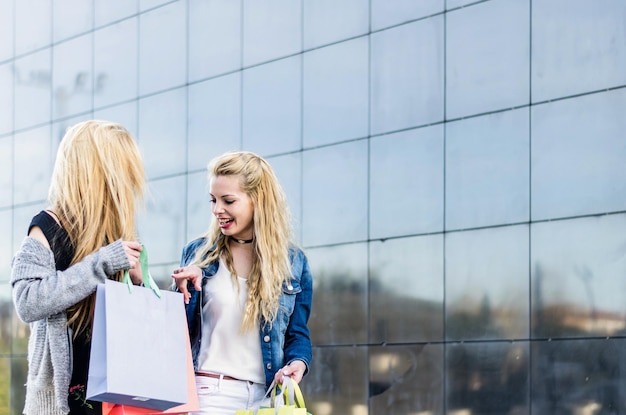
(147, 279)
(289, 392)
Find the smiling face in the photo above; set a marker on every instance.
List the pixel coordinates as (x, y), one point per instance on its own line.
(232, 207)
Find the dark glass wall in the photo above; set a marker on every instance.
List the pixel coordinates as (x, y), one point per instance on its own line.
(455, 171)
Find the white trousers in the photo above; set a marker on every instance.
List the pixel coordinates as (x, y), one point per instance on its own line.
(224, 397)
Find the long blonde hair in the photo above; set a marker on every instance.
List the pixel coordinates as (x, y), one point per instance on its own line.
(272, 234)
(98, 177)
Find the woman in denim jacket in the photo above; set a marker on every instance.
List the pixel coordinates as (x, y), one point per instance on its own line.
(247, 288)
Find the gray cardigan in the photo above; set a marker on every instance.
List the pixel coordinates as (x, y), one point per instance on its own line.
(41, 295)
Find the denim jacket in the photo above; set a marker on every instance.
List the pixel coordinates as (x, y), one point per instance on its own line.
(287, 338)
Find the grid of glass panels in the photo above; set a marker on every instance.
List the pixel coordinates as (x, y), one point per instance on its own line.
(454, 169)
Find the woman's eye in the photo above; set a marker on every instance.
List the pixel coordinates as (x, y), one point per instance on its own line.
(229, 202)
(212, 201)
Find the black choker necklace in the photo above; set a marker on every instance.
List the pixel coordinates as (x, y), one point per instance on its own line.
(242, 241)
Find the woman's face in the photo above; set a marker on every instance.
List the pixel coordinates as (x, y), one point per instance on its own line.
(232, 207)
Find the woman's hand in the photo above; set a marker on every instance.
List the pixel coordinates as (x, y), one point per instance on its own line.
(191, 273)
(133, 250)
(295, 370)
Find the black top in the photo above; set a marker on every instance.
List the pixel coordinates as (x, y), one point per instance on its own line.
(81, 345)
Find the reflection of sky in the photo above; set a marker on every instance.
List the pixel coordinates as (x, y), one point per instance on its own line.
(581, 261)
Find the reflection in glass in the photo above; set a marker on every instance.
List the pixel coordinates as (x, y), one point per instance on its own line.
(7, 29)
(487, 57)
(107, 11)
(288, 169)
(487, 284)
(162, 133)
(163, 48)
(578, 377)
(575, 47)
(214, 38)
(33, 24)
(488, 378)
(328, 21)
(71, 17)
(6, 318)
(387, 13)
(406, 76)
(406, 183)
(6, 248)
(272, 29)
(406, 290)
(333, 212)
(5, 391)
(72, 79)
(33, 82)
(335, 102)
(339, 312)
(6, 171)
(32, 173)
(214, 119)
(487, 170)
(115, 63)
(272, 115)
(162, 226)
(337, 381)
(578, 153)
(199, 213)
(578, 284)
(19, 369)
(6, 98)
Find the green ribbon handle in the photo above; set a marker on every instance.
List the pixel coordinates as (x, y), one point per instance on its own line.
(147, 279)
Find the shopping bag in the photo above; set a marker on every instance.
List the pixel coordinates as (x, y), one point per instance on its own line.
(139, 347)
(285, 400)
(192, 397)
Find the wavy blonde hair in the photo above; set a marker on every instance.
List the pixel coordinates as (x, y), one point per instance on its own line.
(272, 234)
(98, 177)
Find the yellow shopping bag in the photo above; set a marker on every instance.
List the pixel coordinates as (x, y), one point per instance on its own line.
(285, 400)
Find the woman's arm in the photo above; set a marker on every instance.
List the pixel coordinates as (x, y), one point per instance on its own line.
(40, 291)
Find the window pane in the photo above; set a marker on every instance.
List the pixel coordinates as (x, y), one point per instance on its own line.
(71, 17)
(328, 21)
(33, 24)
(32, 89)
(387, 13)
(32, 173)
(72, 77)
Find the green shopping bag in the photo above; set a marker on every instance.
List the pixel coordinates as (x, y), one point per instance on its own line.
(285, 400)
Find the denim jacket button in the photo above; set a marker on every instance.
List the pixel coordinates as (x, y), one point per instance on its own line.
(290, 287)
(269, 365)
(266, 338)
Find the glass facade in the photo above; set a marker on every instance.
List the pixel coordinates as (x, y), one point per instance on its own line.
(455, 171)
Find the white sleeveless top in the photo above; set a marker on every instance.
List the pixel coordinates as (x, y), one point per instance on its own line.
(225, 349)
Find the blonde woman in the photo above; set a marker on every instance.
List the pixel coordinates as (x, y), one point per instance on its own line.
(248, 289)
(86, 236)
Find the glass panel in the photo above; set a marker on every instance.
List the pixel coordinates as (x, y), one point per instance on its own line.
(453, 4)
(401, 203)
(148, 4)
(406, 379)
(214, 119)
(163, 48)
(578, 153)
(6, 321)
(577, 271)
(72, 79)
(5, 387)
(339, 312)
(7, 27)
(6, 247)
(32, 173)
(58, 132)
(487, 56)
(162, 274)
(162, 226)
(71, 17)
(335, 104)
(407, 80)
(406, 274)
(19, 369)
(6, 98)
(162, 133)
(272, 113)
(32, 89)
(487, 170)
(487, 284)
(272, 29)
(107, 11)
(214, 38)
(488, 378)
(125, 114)
(6, 171)
(21, 331)
(199, 213)
(33, 25)
(115, 63)
(328, 21)
(579, 377)
(337, 383)
(22, 217)
(575, 47)
(387, 13)
(288, 169)
(331, 211)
